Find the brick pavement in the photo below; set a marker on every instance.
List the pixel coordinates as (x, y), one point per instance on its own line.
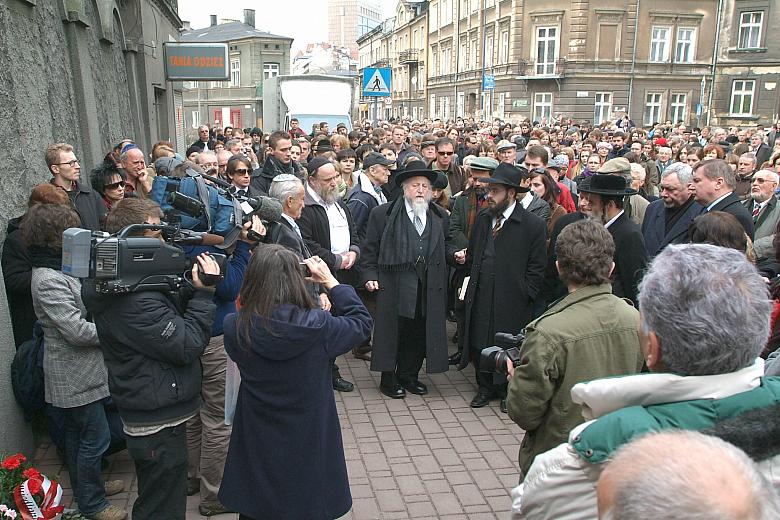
(420, 458)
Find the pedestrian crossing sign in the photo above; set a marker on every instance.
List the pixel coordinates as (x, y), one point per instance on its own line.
(376, 82)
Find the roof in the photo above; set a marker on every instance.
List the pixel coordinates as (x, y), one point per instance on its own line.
(226, 32)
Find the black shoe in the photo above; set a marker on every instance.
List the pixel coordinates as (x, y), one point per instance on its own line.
(193, 486)
(480, 400)
(454, 359)
(213, 509)
(415, 387)
(362, 352)
(396, 392)
(342, 385)
(502, 406)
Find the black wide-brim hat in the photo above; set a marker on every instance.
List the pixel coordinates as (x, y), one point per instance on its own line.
(608, 185)
(414, 169)
(508, 175)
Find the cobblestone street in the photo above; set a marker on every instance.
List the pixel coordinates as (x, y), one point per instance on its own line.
(431, 457)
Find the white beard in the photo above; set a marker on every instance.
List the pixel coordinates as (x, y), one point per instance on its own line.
(419, 207)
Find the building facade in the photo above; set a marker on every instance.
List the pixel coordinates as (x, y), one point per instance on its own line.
(375, 50)
(324, 58)
(747, 64)
(254, 56)
(349, 20)
(408, 56)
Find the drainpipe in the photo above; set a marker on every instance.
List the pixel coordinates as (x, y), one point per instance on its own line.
(633, 61)
(456, 44)
(714, 60)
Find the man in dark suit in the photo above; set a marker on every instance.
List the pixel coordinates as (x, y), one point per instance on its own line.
(667, 219)
(507, 257)
(714, 185)
(758, 147)
(602, 198)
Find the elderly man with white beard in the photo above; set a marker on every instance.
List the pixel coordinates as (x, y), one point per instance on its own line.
(404, 258)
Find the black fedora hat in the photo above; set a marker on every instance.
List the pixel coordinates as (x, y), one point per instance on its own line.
(608, 185)
(508, 175)
(414, 169)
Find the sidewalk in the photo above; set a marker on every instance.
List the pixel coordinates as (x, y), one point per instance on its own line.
(431, 457)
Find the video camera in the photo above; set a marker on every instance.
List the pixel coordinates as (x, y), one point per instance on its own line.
(123, 263)
(493, 359)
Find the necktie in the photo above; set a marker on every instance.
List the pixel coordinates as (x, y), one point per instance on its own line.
(419, 225)
(241, 193)
(497, 226)
(756, 210)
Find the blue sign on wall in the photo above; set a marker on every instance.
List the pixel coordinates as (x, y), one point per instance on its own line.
(377, 82)
(488, 82)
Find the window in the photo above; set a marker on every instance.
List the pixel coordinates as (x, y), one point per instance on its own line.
(432, 106)
(684, 52)
(462, 56)
(489, 51)
(473, 53)
(434, 18)
(750, 29)
(446, 59)
(446, 12)
(270, 70)
(603, 107)
(235, 73)
(195, 118)
(501, 105)
(742, 92)
(677, 107)
(652, 108)
(546, 38)
(542, 106)
(608, 43)
(503, 53)
(460, 105)
(659, 44)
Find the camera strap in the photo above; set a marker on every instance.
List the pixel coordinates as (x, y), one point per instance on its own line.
(203, 194)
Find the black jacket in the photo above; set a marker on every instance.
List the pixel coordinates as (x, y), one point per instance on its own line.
(17, 274)
(89, 206)
(732, 204)
(151, 344)
(630, 258)
(654, 227)
(200, 144)
(262, 177)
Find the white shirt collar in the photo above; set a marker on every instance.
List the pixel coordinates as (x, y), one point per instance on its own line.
(606, 226)
(507, 213)
(528, 197)
(712, 204)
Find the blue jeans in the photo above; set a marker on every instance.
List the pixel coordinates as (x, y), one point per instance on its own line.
(86, 439)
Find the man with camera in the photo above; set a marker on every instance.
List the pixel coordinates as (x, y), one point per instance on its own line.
(507, 257)
(588, 334)
(152, 342)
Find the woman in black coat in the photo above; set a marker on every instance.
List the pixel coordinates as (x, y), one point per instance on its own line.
(286, 458)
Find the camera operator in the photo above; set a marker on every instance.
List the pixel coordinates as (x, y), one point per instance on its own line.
(588, 334)
(207, 434)
(152, 343)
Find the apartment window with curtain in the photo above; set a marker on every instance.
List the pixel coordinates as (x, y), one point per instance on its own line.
(686, 45)
(750, 23)
(659, 44)
(742, 94)
(546, 49)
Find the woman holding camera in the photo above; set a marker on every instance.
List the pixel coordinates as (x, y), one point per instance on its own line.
(286, 458)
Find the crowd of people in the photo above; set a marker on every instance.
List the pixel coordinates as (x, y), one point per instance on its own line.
(615, 250)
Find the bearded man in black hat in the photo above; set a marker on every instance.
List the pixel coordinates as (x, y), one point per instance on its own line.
(404, 259)
(507, 255)
(602, 198)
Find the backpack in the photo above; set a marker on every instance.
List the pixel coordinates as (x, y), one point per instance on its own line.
(27, 374)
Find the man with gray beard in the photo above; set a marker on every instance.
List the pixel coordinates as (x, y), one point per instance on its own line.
(404, 260)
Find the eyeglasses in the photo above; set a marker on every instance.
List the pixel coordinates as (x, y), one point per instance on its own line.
(115, 185)
(760, 180)
(69, 163)
(446, 154)
(241, 171)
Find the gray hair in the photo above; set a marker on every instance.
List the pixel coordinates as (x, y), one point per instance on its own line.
(232, 142)
(717, 168)
(639, 170)
(683, 171)
(685, 474)
(708, 306)
(284, 186)
(770, 173)
(206, 154)
(749, 155)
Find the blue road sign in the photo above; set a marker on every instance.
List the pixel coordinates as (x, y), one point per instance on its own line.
(488, 82)
(377, 82)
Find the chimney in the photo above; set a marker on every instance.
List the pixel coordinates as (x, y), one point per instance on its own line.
(249, 17)
(213, 20)
(186, 26)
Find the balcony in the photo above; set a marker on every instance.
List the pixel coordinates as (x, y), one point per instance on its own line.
(530, 70)
(384, 62)
(409, 56)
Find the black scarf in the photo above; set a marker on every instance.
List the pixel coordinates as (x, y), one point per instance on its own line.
(396, 252)
(42, 256)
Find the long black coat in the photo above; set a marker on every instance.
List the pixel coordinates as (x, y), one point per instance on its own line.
(520, 260)
(385, 342)
(732, 204)
(17, 273)
(654, 227)
(630, 258)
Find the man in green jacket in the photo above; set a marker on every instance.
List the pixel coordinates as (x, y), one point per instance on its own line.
(588, 334)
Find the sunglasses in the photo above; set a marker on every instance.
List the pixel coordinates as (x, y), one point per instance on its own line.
(446, 154)
(115, 185)
(241, 171)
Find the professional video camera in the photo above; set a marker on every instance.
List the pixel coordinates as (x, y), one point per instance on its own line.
(122, 263)
(493, 359)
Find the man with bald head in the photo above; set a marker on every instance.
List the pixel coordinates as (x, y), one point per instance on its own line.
(764, 208)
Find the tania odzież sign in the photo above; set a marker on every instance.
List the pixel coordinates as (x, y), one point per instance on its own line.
(196, 61)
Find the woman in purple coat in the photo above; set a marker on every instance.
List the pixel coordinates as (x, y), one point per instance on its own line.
(286, 458)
